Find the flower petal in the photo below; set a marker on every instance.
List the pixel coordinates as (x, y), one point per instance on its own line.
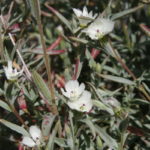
(35, 133)
(65, 93)
(71, 85)
(77, 12)
(81, 88)
(28, 141)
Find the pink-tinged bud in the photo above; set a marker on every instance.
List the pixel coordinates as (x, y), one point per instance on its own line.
(60, 81)
(22, 103)
(15, 27)
(77, 69)
(145, 29)
(95, 53)
(20, 147)
(55, 44)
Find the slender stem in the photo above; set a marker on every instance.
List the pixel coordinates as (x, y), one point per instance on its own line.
(21, 58)
(126, 68)
(16, 114)
(47, 61)
(46, 57)
(121, 142)
(17, 50)
(141, 87)
(1, 45)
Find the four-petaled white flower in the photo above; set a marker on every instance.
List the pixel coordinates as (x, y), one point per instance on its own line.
(79, 98)
(83, 104)
(99, 28)
(73, 90)
(12, 74)
(35, 139)
(83, 16)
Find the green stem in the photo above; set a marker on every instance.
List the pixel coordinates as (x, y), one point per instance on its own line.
(141, 87)
(121, 142)
(47, 61)
(1, 43)
(46, 57)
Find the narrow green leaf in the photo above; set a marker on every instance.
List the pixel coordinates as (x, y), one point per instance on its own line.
(50, 144)
(14, 127)
(35, 8)
(61, 17)
(70, 139)
(41, 85)
(4, 105)
(126, 12)
(117, 79)
(61, 142)
(107, 138)
(124, 124)
(99, 143)
(102, 106)
(110, 51)
(79, 40)
(47, 124)
(90, 124)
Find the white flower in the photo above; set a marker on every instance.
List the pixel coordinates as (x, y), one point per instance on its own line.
(28, 141)
(73, 90)
(35, 138)
(99, 28)
(83, 104)
(11, 74)
(83, 16)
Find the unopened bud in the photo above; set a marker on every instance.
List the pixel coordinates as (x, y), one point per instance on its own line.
(95, 53)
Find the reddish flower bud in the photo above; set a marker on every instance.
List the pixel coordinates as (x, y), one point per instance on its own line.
(95, 53)
(22, 103)
(60, 81)
(20, 147)
(145, 29)
(15, 27)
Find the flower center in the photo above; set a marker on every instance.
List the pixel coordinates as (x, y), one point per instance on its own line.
(73, 94)
(82, 107)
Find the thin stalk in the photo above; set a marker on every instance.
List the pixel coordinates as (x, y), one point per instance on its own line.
(1, 45)
(121, 142)
(47, 61)
(21, 58)
(17, 50)
(17, 115)
(37, 14)
(141, 87)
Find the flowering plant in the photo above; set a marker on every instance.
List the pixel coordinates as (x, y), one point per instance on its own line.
(77, 75)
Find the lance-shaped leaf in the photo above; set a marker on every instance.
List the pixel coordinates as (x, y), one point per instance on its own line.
(4, 105)
(117, 79)
(126, 12)
(35, 8)
(78, 68)
(55, 44)
(14, 127)
(61, 17)
(50, 145)
(39, 82)
(145, 29)
(78, 40)
(47, 124)
(61, 142)
(49, 52)
(102, 106)
(90, 124)
(106, 137)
